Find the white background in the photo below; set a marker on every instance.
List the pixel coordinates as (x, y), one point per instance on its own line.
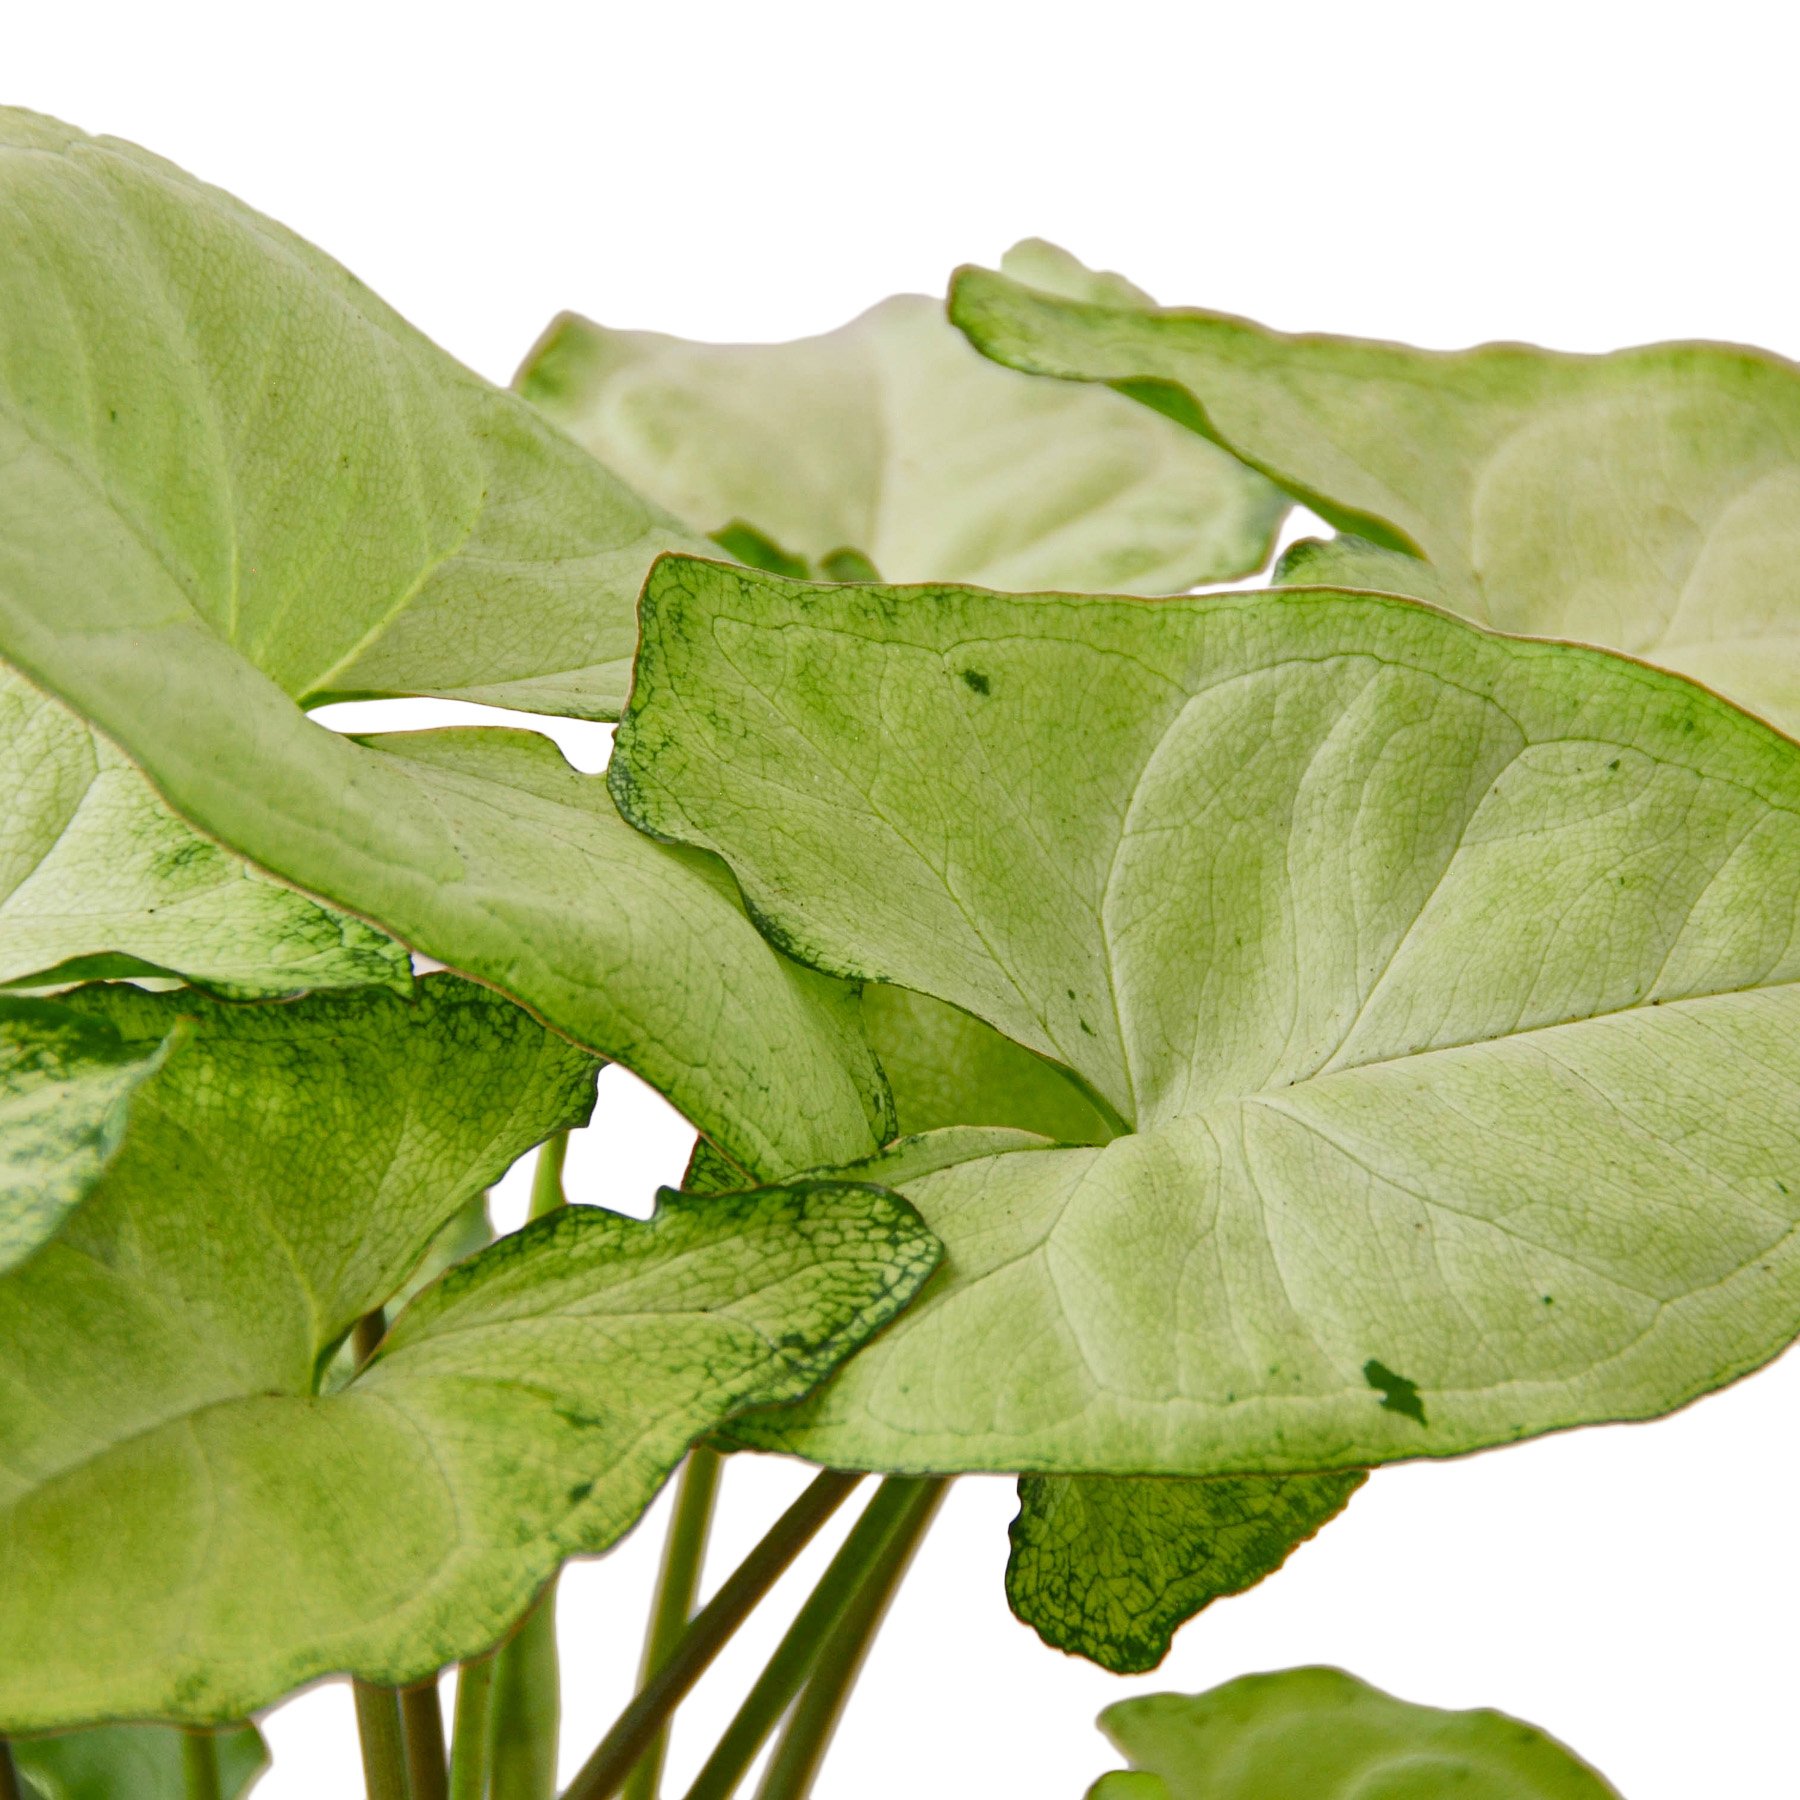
(1584, 175)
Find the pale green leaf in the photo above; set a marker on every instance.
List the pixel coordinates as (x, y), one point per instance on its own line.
(66, 1080)
(945, 1067)
(99, 878)
(236, 481)
(1448, 986)
(1323, 1735)
(1108, 1567)
(1048, 266)
(1647, 500)
(206, 413)
(890, 438)
(190, 1527)
(132, 1762)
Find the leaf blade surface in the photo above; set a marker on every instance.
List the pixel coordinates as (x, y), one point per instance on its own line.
(1437, 974)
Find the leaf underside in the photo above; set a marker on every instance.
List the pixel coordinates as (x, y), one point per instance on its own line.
(891, 439)
(1647, 500)
(1446, 986)
(1108, 1567)
(1325, 1735)
(190, 1525)
(99, 878)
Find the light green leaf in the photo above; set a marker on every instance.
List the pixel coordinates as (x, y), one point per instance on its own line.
(1050, 267)
(891, 438)
(189, 1527)
(1448, 986)
(206, 413)
(133, 1762)
(1648, 500)
(1129, 1784)
(98, 878)
(66, 1080)
(236, 481)
(1322, 1734)
(1108, 1567)
(946, 1067)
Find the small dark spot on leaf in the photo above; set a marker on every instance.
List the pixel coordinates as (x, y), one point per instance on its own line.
(1782, 1185)
(1397, 1393)
(1613, 764)
(112, 412)
(579, 1492)
(978, 682)
(1549, 1299)
(1085, 1026)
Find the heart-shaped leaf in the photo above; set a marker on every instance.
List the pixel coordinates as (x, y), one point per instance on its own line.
(190, 1524)
(891, 438)
(1648, 500)
(66, 1079)
(98, 878)
(132, 1762)
(1108, 1567)
(1324, 1735)
(1443, 987)
(236, 482)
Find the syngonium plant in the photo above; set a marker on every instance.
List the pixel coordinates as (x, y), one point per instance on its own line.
(1186, 1051)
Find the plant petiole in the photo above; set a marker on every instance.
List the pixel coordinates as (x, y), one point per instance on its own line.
(635, 1728)
(422, 1725)
(383, 1743)
(677, 1584)
(199, 1765)
(808, 1732)
(469, 1750)
(860, 1560)
(10, 1786)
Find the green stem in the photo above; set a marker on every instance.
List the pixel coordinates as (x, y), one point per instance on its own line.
(11, 1788)
(677, 1584)
(712, 1626)
(808, 1732)
(547, 1178)
(526, 1707)
(422, 1723)
(383, 1747)
(525, 1698)
(858, 1558)
(378, 1708)
(199, 1766)
(469, 1750)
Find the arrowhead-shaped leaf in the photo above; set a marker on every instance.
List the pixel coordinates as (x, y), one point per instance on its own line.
(1443, 987)
(1647, 500)
(132, 1762)
(1108, 1567)
(66, 1080)
(237, 482)
(892, 438)
(99, 878)
(209, 427)
(190, 1526)
(1324, 1735)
